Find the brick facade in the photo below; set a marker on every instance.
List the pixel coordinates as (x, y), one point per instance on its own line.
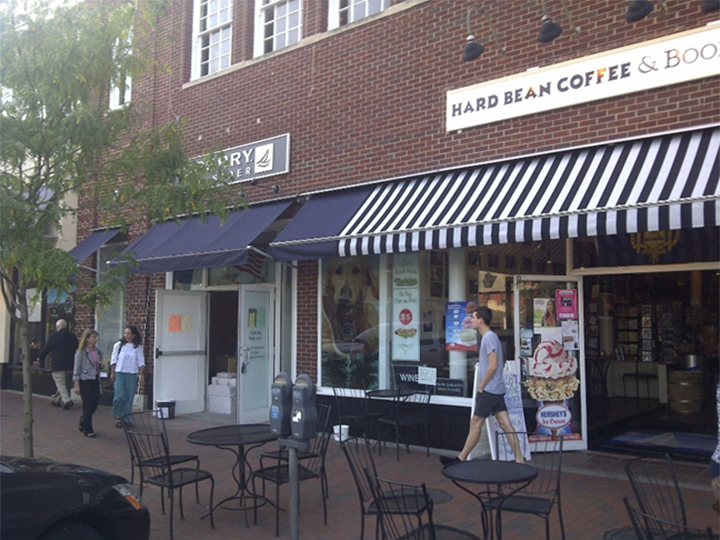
(367, 102)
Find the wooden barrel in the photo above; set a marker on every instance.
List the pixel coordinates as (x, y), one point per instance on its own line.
(685, 390)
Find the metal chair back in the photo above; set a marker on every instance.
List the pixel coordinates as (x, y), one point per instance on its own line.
(648, 527)
(656, 489)
(543, 493)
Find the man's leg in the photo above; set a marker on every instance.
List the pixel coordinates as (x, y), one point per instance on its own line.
(473, 436)
(503, 420)
(60, 378)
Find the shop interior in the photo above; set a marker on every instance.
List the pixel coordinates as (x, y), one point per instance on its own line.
(652, 339)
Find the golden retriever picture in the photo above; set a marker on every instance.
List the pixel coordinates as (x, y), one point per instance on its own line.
(350, 313)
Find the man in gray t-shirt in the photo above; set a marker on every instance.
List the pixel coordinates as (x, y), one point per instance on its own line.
(490, 397)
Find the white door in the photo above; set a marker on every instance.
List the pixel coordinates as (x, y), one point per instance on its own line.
(180, 349)
(256, 352)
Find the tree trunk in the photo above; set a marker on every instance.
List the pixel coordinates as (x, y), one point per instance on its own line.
(26, 364)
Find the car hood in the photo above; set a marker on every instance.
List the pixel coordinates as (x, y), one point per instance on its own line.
(40, 466)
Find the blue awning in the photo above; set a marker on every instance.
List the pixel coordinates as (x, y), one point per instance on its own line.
(312, 232)
(92, 243)
(192, 244)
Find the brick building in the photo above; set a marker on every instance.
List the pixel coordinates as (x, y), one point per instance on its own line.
(391, 183)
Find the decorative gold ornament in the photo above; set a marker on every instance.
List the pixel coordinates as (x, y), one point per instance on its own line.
(654, 244)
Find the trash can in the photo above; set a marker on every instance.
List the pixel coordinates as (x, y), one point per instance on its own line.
(166, 408)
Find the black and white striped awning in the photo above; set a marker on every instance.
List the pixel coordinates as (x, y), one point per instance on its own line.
(657, 183)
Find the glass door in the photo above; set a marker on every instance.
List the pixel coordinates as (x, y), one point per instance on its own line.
(549, 343)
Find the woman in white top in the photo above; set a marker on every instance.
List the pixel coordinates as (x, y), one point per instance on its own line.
(126, 362)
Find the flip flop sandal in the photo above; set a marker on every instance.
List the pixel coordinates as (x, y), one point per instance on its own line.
(118, 422)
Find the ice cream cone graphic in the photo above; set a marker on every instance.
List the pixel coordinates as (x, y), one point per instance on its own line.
(552, 381)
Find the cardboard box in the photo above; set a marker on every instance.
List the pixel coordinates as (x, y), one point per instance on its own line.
(220, 404)
(225, 382)
(223, 390)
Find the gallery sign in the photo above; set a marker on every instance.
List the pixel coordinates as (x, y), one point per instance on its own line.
(674, 59)
(259, 159)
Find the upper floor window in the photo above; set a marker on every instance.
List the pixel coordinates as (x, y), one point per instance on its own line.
(213, 36)
(279, 24)
(121, 92)
(344, 12)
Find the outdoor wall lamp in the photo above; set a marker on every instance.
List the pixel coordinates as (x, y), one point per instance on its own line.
(474, 49)
(274, 188)
(550, 30)
(639, 9)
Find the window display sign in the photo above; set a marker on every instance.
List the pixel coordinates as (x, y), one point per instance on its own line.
(552, 381)
(406, 307)
(566, 303)
(459, 333)
(544, 313)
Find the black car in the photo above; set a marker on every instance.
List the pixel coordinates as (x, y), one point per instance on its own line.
(46, 500)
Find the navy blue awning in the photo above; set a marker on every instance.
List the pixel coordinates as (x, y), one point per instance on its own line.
(313, 232)
(92, 243)
(192, 244)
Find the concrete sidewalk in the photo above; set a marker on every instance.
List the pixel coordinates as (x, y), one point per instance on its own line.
(593, 484)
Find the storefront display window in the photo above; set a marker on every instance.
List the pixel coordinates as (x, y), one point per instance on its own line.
(350, 322)
(110, 318)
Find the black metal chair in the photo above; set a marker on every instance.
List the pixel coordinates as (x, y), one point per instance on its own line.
(312, 466)
(656, 489)
(543, 493)
(353, 410)
(405, 513)
(359, 456)
(405, 414)
(148, 438)
(648, 527)
(156, 422)
(282, 454)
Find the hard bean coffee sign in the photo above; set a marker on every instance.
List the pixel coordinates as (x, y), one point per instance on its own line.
(686, 56)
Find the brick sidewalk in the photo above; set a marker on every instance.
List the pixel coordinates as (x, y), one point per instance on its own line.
(593, 484)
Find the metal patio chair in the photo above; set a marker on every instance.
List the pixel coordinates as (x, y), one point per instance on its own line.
(543, 493)
(656, 489)
(647, 527)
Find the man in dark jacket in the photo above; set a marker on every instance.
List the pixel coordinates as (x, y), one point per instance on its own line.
(63, 345)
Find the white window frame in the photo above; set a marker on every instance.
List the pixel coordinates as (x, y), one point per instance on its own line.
(222, 30)
(350, 11)
(261, 8)
(121, 95)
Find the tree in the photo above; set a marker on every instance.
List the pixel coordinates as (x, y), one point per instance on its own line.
(59, 136)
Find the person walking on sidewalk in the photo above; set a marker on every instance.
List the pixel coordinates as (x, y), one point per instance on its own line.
(715, 460)
(126, 362)
(490, 396)
(86, 375)
(63, 345)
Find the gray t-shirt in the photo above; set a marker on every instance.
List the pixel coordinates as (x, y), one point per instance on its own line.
(491, 343)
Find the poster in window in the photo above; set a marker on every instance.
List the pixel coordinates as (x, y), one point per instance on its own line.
(544, 313)
(350, 297)
(406, 307)
(566, 304)
(459, 333)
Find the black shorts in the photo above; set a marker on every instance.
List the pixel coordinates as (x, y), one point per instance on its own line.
(487, 404)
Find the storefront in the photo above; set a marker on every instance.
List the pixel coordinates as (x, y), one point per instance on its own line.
(566, 249)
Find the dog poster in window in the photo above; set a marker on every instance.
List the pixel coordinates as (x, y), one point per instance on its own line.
(350, 297)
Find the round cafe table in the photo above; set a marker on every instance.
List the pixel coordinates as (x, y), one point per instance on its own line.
(236, 438)
(493, 475)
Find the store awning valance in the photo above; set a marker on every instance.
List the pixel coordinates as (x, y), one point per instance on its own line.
(193, 244)
(92, 243)
(662, 182)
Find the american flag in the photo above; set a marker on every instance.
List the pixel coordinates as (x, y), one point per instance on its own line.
(254, 265)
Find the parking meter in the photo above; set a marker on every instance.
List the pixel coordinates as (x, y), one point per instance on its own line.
(304, 409)
(281, 393)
